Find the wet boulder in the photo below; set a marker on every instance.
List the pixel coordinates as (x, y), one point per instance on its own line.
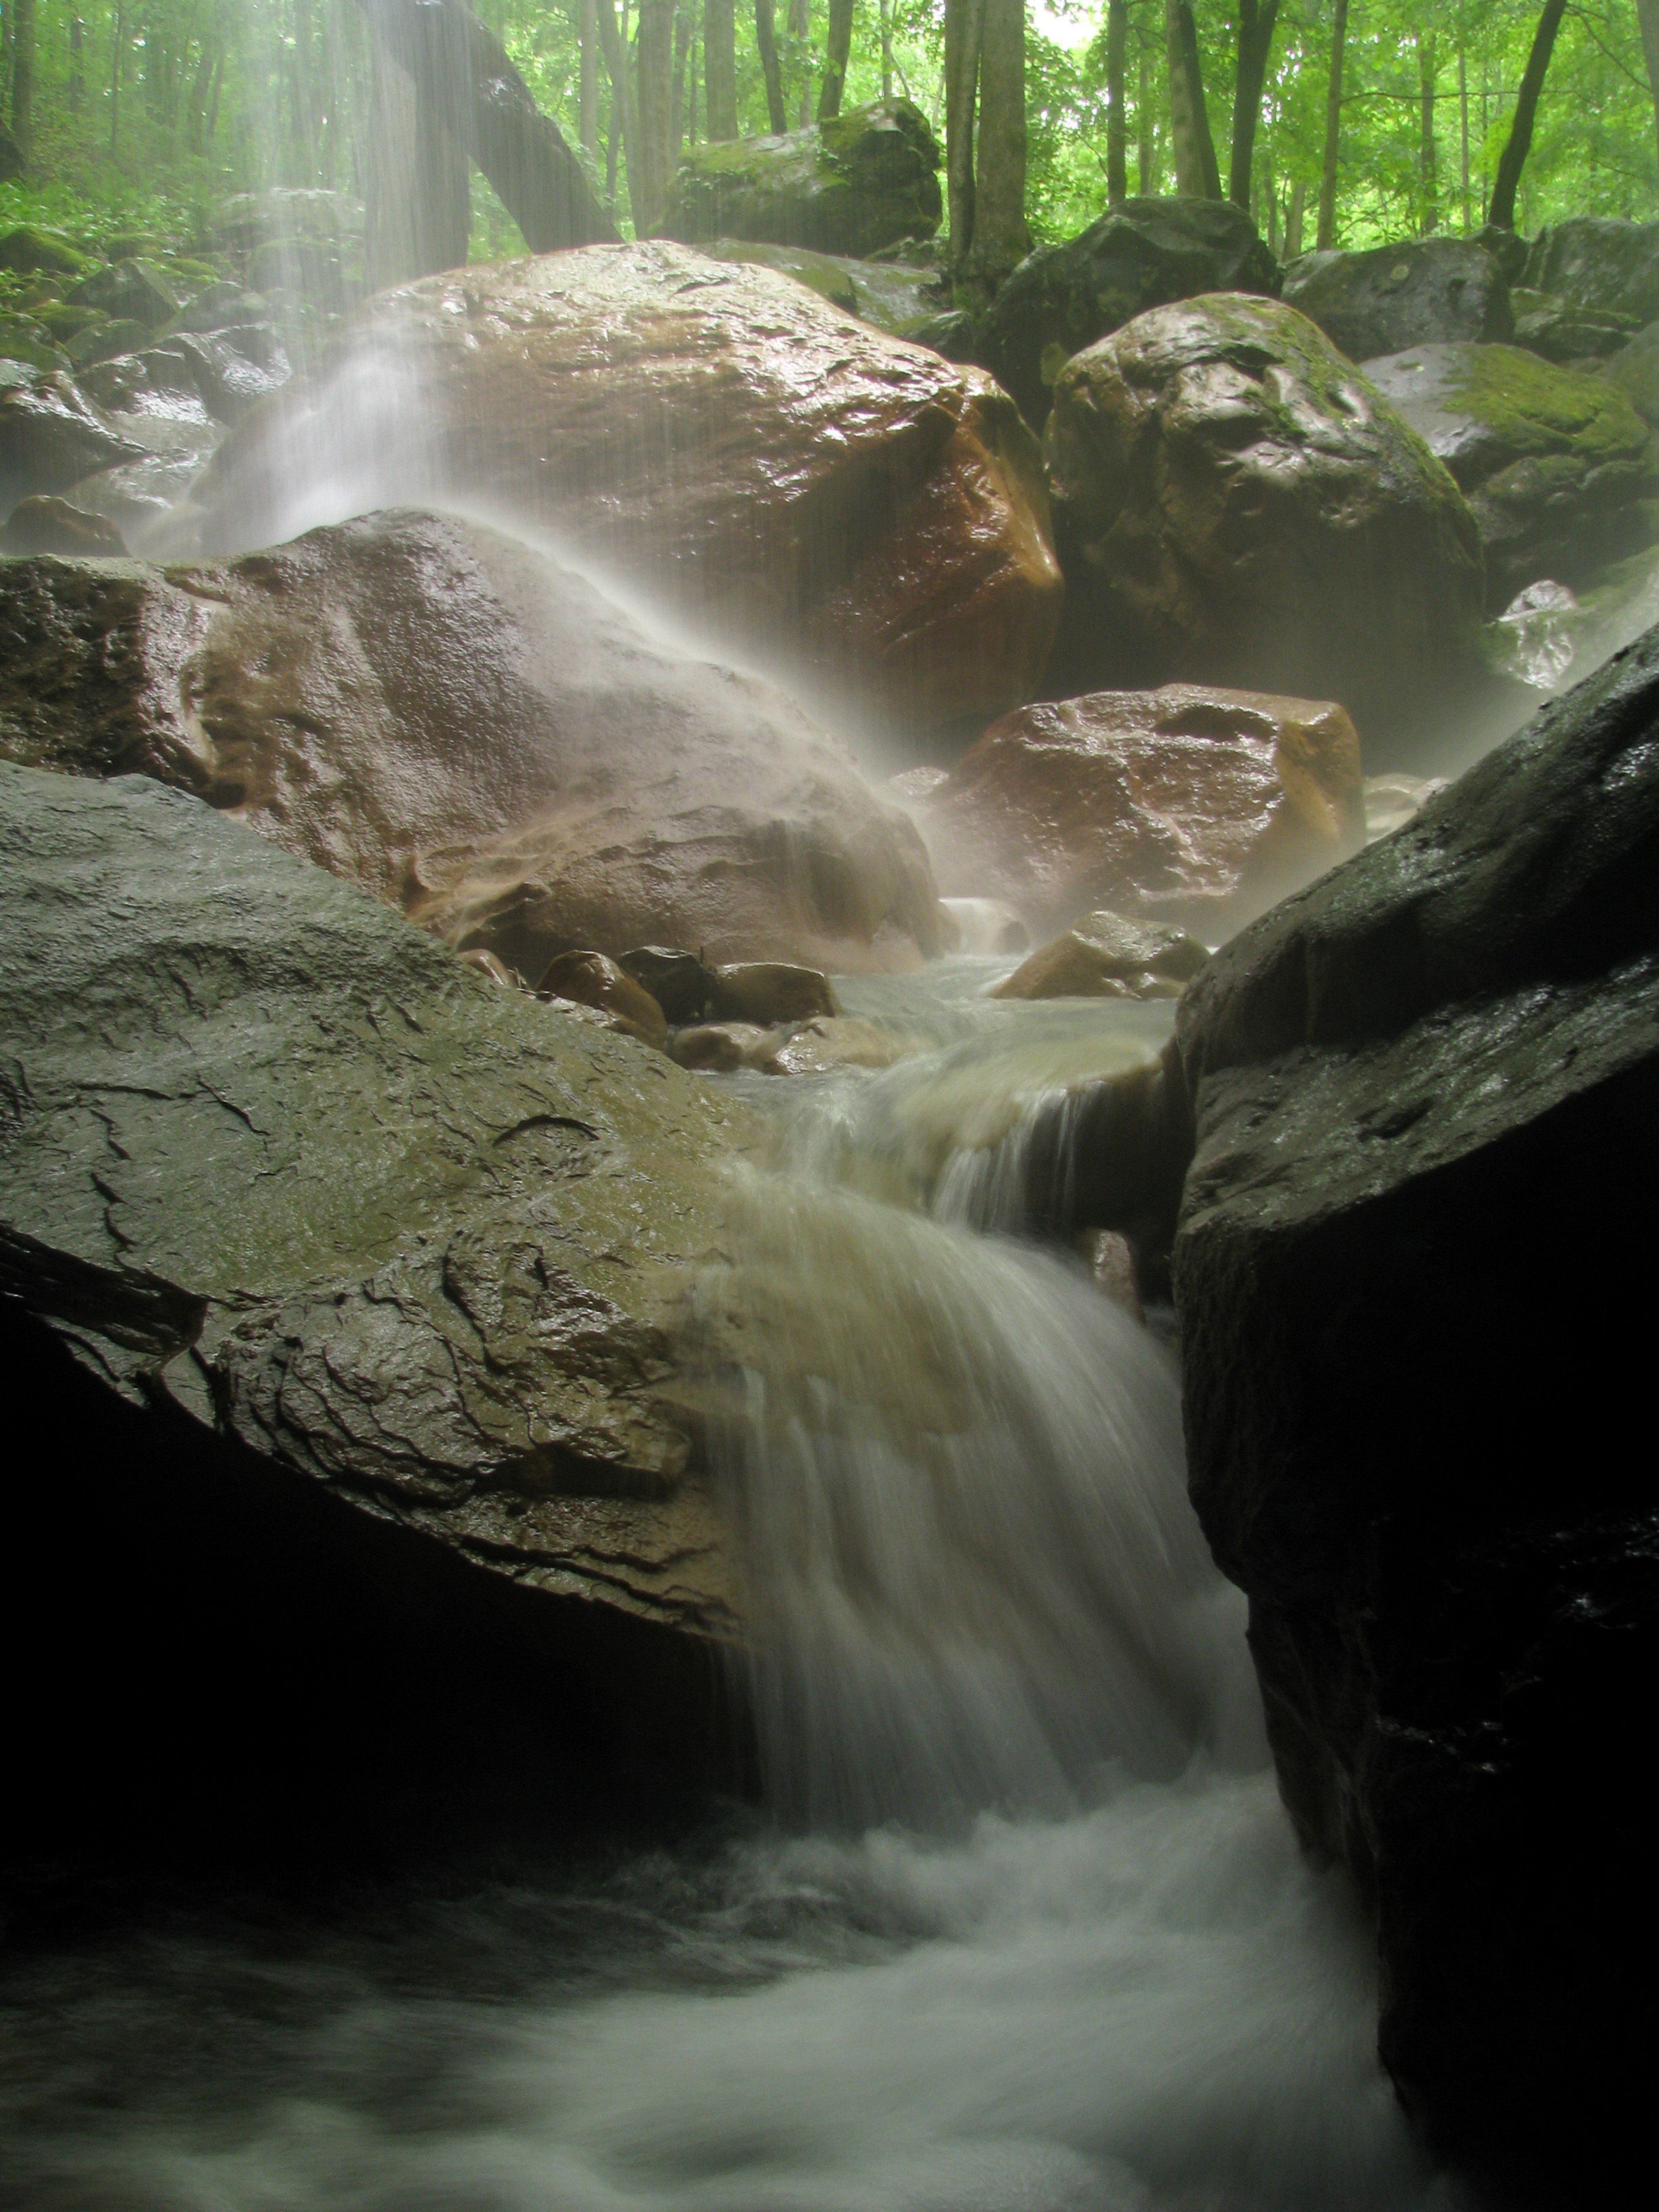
(848, 183)
(1143, 254)
(44, 525)
(50, 435)
(1104, 956)
(1634, 369)
(340, 1217)
(474, 734)
(1423, 291)
(1235, 504)
(29, 343)
(1553, 460)
(1598, 261)
(1189, 805)
(827, 496)
(1562, 330)
(1415, 1391)
(590, 979)
(905, 302)
(135, 291)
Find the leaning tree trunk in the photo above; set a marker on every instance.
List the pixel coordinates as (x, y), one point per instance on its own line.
(963, 25)
(418, 208)
(1501, 213)
(766, 40)
(523, 153)
(656, 80)
(1001, 237)
(1326, 234)
(1117, 43)
(720, 68)
(1256, 19)
(1647, 14)
(837, 49)
(1196, 173)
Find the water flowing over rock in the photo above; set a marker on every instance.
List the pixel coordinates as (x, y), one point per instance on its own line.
(1142, 254)
(1422, 291)
(1235, 504)
(793, 480)
(1553, 461)
(1199, 805)
(848, 183)
(477, 736)
(1415, 1362)
(275, 1160)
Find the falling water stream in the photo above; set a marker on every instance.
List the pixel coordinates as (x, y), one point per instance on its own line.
(1021, 1926)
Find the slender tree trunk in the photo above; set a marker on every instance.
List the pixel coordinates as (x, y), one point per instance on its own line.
(119, 32)
(1427, 166)
(691, 70)
(1146, 163)
(1270, 201)
(887, 49)
(1293, 220)
(1326, 234)
(1647, 14)
(418, 211)
(800, 30)
(656, 67)
(1463, 118)
(1117, 41)
(766, 39)
(1256, 19)
(1197, 175)
(624, 116)
(23, 74)
(1001, 237)
(77, 87)
(684, 26)
(720, 68)
(612, 148)
(963, 25)
(837, 49)
(1507, 182)
(588, 108)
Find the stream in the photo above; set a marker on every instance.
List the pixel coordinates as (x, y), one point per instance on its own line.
(1020, 1926)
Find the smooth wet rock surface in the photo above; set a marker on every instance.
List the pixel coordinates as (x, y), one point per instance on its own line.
(276, 1159)
(474, 734)
(1189, 803)
(831, 498)
(1234, 503)
(1104, 956)
(1412, 1082)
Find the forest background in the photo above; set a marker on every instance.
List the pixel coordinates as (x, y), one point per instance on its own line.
(147, 113)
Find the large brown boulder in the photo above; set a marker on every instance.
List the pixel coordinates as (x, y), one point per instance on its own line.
(1416, 1357)
(779, 474)
(1235, 504)
(1193, 805)
(474, 733)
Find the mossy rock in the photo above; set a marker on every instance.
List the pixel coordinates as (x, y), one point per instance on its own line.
(1555, 460)
(851, 184)
(22, 339)
(28, 250)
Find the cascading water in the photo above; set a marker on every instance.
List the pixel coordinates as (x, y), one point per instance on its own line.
(1027, 1931)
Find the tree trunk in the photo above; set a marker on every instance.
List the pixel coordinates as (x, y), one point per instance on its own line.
(588, 109)
(540, 180)
(1147, 162)
(1256, 19)
(1117, 41)
(118, 32)
(78, 85)
(1001, 237)
(683, 31)
(1293, 220)
(887, 49)
(800, 30)
(837, 49)
(766, 39)
(720, 68)
(1427, 163)
(1507, 182)
(23, 76)
(963, 25)
(1197, 175)
(656, 68)
(1647, 14)
(1326, 234)
(418, 210)
(1463, 114)
(624, 114)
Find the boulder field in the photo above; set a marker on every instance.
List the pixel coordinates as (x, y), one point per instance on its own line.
(794, 481)
(1408, 1266)
(474, 734)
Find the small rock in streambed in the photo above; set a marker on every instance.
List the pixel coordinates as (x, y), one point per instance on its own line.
(682, 984)
(773, 991)
(1104, 956)
(719, 1048)
(47, 524)
(593, 980)
(497, 970)
(818, 1046)
(1111, 1259)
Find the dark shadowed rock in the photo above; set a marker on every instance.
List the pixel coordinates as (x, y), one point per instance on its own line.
(127, 291)
(44, 525)
(1143, 254)
(589, 979)
(824, 495)
(1634, 369)
(274, 1158)
(1598, 261)
(51, 436)
(849, 184)
(475, 735)
(1202, 805)
(1423, 291)
(1235, 504)
(1415, 1387)
(1561, 329)
(1553, 460)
